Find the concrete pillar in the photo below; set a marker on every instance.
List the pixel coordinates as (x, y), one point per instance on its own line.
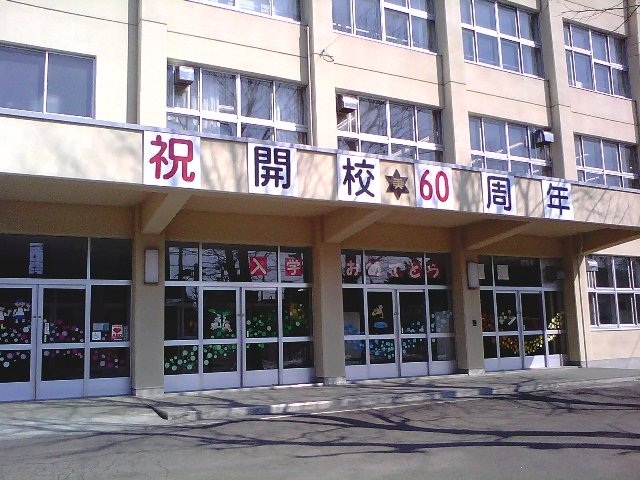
(466, 310)
(555, 67)
(576, 302)
(328, 331)
(455, 114)
(322, 76)
(152, 63)
(147, 322)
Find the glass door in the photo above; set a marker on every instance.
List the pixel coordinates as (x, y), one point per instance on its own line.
(509, 332)
(382, 357)
(220, 352)
(61, 319)
(17, 339)
(533, 338)
(414, 351)
(261, 334)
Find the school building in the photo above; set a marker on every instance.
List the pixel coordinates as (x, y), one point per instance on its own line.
(206, 194)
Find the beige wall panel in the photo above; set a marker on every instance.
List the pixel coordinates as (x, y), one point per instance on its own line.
(224, 166)
(610, 17)
(239, 27)
(611, 344)
(317, 175)
(406, 173)
(606, 206)
(603, 116)
(72, 151)
(384, 70)
(87, 33)
(113, 10)
(529, 197)
(236, 58)
(372, 56)
(385, 236)
(467, 189)
(237, 41)
(70, 220)
(527, 94)
(235, 228)
(525, 246)
(629, 249)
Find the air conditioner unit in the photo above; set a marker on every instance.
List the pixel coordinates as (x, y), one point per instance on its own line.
(592, 265)
(346, 104)
(543, 137)
(184, 76)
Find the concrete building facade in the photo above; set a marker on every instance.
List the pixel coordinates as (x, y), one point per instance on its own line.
(203, 194)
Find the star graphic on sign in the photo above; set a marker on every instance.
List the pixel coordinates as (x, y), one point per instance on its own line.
(397, 184)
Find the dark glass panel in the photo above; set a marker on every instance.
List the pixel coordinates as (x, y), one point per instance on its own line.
(353, 311)
(180, 313)
(110, 313)
(110, 259)
(63, 364)
(15, 366)
(297, 319)
(180, 359)
(297, 354)
(109, 362)
(220, 358)
(262, 356)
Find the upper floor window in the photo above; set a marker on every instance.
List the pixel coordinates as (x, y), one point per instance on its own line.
(382, 127)
(596, 61)
(234, 105)
(277, 8)
(46, 82)
(502, 36)
(614, 292)
(405, 22)
(510, 147)
(603, 162)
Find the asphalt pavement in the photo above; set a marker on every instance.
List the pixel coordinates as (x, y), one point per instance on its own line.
(85, 414)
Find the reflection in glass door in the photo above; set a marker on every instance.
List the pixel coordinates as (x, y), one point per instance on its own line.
(413, 334)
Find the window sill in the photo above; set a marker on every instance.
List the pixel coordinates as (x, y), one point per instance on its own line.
(600, 93)
(614, 328)
(385, 42)
(500, 69)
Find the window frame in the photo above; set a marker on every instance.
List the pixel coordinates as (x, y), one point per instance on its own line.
(237, 119)
(633, 179)
(500, 37)
(483, 154)
(594, 291)
(45, 80)
(571, 51)
(353, 119)
(410, 12)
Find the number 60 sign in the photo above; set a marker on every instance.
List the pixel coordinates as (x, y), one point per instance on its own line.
(434, 187)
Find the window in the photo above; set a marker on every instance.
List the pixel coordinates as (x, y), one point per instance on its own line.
(276, 8)
(237, 106)
(387, 128)
(596, 61)
(46, 82)
(602, 162)
(614, 292)
(404, 22)
(499, 145)
(501, 36)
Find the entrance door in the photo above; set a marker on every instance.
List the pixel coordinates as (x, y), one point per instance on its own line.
(42, 342)
(61, 342)
(382, 341)
(17, 343)
(250, 336)
(519, 339)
